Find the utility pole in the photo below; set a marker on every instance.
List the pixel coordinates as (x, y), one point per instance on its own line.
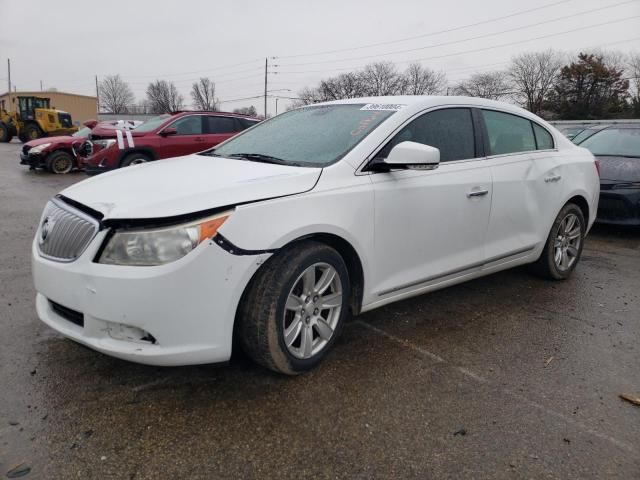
(276, 106)
(97, 95)
(40, 85)
(9, 80)
(266, 66)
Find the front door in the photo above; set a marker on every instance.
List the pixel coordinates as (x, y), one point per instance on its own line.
(431, 225)
(189, 137)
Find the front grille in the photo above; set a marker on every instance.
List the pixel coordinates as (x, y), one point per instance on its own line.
(65, 231)
(614, 207)
(68, 314)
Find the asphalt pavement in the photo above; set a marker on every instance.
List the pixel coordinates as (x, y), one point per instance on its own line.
(508, 376)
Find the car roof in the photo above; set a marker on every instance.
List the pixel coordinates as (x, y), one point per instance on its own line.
(216, 113)
(421, 102)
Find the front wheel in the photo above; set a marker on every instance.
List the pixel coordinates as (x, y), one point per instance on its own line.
(564, 244)
(135, 159)
(295, 308)
(59, 162)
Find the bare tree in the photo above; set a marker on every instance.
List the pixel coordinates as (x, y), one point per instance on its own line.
(533, 76)
(381, 78)
(115, 94)
(633, 69)
(491, 85)
(164, 97)
(203, 93)
(419, 80)
(251, 111)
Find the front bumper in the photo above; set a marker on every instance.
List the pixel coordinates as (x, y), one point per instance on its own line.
(619, 207)
(181, 313)
(33, 160)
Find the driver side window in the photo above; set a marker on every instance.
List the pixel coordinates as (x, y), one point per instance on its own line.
(450, 130)
(188, 125)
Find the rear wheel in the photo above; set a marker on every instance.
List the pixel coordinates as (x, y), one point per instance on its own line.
(134, 159)
(564, 244)
(32, 132)
(295, 308)
(59, 162)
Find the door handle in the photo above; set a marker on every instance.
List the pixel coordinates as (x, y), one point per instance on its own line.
(553, 178)
(477, 193)
(199, 139)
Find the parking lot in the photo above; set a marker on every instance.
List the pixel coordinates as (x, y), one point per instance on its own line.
(508, 376)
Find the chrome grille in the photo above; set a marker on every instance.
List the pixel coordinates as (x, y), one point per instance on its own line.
(64, 232)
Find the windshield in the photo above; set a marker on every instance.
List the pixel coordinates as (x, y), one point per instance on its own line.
(623, 142)
(586, 133)
(152, 123)
(310, 136)
(82, 133)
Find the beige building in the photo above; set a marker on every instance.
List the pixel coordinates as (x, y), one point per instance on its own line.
(81, 107)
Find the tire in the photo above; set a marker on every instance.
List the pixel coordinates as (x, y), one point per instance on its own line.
(564, 244)
(32, 132)
(4, 133)
(276, 302)
(134, 159)
(59, 162)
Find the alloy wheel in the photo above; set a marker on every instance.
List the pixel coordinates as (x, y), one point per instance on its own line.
(312, 310)
(566, 247)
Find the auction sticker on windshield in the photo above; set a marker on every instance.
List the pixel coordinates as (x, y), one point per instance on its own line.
(394, 107)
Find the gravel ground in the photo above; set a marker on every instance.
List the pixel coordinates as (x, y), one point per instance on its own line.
(508, 376)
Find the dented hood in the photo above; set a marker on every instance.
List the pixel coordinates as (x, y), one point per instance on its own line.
(189, 184)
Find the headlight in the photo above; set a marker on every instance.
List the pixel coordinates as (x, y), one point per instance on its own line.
(39, 148)
(104, 143)
(147, 247)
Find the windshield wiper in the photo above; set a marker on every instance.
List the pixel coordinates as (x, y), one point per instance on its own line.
(259, 157)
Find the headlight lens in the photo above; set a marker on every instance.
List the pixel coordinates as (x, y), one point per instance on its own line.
(105, 143)
(147, 247)
(39, 148)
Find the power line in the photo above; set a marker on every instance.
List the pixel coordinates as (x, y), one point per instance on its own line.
(464, 52)
(483, 22)
(453, 42)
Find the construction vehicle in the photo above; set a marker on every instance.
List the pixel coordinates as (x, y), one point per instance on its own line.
(34, 118)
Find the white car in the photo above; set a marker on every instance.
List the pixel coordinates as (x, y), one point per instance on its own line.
(274, 236)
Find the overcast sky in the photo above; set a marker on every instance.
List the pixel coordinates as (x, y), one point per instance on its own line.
(64, 44)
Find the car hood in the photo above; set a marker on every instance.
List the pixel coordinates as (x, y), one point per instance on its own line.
(188, 184)
(61, 139)
(619, 169)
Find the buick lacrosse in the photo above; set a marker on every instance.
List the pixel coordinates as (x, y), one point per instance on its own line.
(272, 238)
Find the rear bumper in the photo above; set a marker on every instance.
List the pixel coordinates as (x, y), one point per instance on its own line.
(619, 207)
(181, 313)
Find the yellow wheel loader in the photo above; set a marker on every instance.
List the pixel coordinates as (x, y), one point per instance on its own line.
(34, 118)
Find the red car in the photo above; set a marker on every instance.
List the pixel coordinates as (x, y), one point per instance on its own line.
(56, 154)
(60, 154)
(164, 136)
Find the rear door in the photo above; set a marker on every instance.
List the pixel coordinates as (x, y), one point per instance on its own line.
(219, 128)
(189, 137)
(527, 176)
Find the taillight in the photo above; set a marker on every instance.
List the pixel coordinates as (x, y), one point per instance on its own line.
(597, 164)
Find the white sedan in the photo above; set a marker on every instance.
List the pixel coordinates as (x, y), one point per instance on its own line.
(273, 237)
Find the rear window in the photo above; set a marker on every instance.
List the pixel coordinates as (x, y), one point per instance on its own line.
(623, 142)
(544, 140)
(221, 125)
(508, 133)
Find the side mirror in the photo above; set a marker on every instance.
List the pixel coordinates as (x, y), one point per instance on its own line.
(168, 131)
(411, 155)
